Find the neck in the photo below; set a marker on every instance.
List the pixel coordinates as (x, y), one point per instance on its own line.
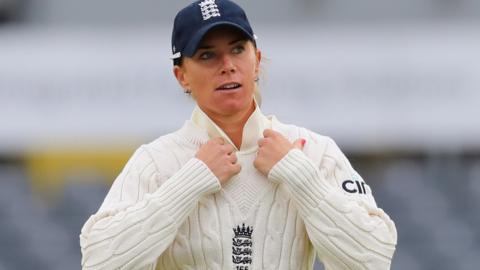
(233, 124)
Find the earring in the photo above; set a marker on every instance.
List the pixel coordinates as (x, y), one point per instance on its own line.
(257, 79)
(186, 91)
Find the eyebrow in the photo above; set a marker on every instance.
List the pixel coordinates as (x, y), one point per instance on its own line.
(206, 47)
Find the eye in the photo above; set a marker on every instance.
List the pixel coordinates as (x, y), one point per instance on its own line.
(206, 55)
(238, 49)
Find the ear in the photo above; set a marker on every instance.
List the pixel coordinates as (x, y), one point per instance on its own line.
(258, 56)
(180, 74)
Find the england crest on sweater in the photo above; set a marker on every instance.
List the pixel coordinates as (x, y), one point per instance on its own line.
(242, 247)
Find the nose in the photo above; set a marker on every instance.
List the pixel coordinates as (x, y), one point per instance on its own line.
(228, 66)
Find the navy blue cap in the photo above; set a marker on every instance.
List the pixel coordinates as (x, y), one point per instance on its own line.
(194, 21)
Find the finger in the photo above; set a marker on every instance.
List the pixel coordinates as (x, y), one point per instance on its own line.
(236, 168)
(233, 158)
(299, 143)
(261, 142)
(256, 162)
(268, 133)
(219, 140)
(228, 148)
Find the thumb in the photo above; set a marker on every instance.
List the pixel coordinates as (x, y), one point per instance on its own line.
(299, 144)
(219, 140)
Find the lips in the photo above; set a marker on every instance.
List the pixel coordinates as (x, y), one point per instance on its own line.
(229, 86)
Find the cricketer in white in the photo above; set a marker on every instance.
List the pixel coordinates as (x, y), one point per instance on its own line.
(167, 210)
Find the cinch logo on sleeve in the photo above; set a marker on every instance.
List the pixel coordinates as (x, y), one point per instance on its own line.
(209, 9)
(354, 186)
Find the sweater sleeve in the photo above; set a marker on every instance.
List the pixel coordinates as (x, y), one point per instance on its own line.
(343, 222)
(139, 220)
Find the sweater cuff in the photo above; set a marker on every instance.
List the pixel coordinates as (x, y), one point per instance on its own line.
(301, 175)
(181, 192)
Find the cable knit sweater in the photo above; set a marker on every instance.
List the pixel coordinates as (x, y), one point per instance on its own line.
(167, 210)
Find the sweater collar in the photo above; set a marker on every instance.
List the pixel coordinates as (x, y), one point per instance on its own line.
(252, 131)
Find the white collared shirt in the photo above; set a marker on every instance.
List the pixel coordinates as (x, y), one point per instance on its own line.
(252, 131)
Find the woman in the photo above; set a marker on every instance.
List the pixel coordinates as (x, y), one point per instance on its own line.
(234, 189)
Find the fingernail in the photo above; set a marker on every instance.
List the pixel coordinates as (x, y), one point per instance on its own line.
(303, 142)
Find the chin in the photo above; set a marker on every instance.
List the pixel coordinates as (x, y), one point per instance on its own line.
(232, 106)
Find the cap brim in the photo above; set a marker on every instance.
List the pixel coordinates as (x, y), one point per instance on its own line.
(192, 45)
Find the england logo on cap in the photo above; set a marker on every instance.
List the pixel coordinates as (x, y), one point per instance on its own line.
(209, 9)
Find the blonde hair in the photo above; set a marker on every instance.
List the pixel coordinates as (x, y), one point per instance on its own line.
(261, 74)
(257, 96)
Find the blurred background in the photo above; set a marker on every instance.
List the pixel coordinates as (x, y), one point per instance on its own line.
(395, 83)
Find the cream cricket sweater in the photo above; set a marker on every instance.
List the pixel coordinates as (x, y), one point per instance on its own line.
(167, 210)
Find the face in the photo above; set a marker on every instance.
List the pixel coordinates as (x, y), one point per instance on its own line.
(221, 75)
